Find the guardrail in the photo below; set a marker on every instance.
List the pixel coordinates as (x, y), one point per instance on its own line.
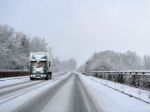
(124, 72)
(138, 79)
(13, 73)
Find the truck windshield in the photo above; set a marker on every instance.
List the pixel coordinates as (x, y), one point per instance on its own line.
(38, 67)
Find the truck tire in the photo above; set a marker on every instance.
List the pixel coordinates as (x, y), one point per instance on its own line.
(47, 77)
(50, 73)
(31, 78)
(50, 76)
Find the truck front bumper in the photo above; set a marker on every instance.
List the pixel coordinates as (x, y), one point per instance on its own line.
(38, 76)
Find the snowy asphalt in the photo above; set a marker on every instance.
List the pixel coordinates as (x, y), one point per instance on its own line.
(66, 92)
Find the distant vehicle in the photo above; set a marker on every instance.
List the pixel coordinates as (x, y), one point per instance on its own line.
(40, 65)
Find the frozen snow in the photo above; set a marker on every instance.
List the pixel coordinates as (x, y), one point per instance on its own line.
(4, 82)
(132, 91)
(110, 100)
(23, 99)
(61, 101)
(103, 97)
(38, 57)
(38, 70)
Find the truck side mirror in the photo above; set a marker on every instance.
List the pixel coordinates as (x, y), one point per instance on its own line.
(49, 64)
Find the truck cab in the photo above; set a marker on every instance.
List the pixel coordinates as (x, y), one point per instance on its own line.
(40, 65)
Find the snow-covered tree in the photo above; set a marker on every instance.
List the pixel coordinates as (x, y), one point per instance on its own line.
(69, 65)
(15, 48)
(146, 62)
(110, 60)
(37, 44)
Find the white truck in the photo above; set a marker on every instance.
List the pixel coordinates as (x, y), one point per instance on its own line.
(40, 65)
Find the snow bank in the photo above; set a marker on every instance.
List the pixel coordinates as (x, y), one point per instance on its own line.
(110, 100)
(138, 93)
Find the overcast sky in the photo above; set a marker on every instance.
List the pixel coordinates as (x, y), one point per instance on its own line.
(78, 28)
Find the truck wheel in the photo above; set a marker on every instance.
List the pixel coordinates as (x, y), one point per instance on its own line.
(31, 78)
(50, 76)
(46, 78)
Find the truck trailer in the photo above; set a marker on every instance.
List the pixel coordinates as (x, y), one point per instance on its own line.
(40, 65)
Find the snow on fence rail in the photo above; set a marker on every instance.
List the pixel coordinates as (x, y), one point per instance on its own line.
(138, 79)
(13, 73)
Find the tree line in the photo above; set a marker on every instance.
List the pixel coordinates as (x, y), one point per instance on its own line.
(111, 60)
(66, 65)
(16, 46)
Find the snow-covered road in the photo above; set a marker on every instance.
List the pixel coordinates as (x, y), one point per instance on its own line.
(67, 92)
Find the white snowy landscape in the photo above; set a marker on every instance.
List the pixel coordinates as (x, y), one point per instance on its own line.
(74, 55)
(111, 100)
(94, 95)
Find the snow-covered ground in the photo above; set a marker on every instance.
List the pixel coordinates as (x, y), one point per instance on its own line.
(70, 92)
(4, 82)
(138, 93)
(110, 100)
(61, 101)
(24, 97)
